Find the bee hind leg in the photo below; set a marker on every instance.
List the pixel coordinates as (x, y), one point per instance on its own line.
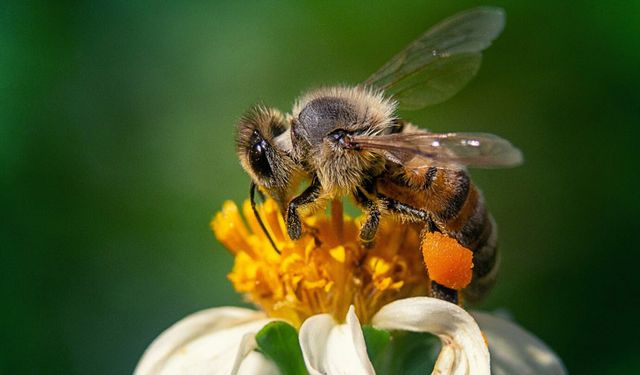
(405, 210)
(437, 290)
(442, 292)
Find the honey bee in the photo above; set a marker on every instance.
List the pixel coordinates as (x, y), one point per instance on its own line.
(348, 141)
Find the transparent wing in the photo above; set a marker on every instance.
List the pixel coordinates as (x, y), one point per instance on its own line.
(442, 61)
(446, 150)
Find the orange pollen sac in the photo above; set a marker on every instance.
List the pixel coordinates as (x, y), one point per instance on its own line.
(448, 263)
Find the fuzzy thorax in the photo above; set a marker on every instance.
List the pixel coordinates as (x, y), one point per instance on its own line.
(322, 117)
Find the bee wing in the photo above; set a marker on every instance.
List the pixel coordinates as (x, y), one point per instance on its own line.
(442, 61)
(445, 150)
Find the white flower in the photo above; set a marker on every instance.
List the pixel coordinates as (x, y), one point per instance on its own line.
(220, 341)
(326, 284)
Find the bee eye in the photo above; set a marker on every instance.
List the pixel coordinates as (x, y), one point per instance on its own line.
(337, 134)
(341, 137)
(258, 155)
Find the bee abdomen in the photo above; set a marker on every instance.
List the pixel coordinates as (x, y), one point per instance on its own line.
(458, 208)
(429, 177)
(485, 249)
(486, 258)
(481, 285)
(458, 184)
(474, 227)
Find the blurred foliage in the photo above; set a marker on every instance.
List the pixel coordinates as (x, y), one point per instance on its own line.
(116, 129)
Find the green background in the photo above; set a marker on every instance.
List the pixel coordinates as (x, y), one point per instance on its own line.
(116, 148)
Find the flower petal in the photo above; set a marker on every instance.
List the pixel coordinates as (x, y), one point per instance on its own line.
(248, 361)
(313, 337)
(516, 351)
(254, 363)
(330, 348)
(210, 341)
(463, 346)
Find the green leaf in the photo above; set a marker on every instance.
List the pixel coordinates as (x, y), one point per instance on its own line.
(414, 352)
(279, 342)
(401, 352)
(377, 341)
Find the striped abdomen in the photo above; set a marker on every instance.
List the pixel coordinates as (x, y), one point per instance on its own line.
(457, 209)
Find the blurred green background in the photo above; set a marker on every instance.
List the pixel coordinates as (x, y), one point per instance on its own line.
(116, 148)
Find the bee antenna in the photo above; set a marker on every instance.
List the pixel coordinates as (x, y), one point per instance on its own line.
(252, 197)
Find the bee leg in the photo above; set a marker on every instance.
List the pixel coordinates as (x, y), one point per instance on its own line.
(260, 194)
(404, 209)
(309, 195)
(252, 192)
(437, 290)
(370, 226)
(442, 292)
(410, 213)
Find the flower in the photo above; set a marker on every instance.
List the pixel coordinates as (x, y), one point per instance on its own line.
(326, 271)
(329, 287)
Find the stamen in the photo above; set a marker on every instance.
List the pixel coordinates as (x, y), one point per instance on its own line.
(325, 271)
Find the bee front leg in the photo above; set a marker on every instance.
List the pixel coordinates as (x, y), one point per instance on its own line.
(309, 195)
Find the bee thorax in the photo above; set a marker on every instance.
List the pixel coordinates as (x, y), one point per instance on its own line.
(340, 173)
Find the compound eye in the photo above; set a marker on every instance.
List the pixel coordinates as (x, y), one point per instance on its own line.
(341, 137)
(258, 156)
(337, 135)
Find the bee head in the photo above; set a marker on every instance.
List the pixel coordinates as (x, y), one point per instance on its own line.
(263, 145)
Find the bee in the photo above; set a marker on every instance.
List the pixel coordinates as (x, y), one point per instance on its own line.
(348, 141)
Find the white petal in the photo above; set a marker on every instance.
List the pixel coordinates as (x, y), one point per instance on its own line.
(250, 362)
(313, 337)
(246, 346)
(207, 342)
(464, 350)
(330, 348)
(256, 363)
(516, 351)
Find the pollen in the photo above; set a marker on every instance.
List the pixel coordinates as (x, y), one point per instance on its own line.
(326, 270)
(448, 262)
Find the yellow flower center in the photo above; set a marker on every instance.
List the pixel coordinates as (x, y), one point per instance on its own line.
(325, 271)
